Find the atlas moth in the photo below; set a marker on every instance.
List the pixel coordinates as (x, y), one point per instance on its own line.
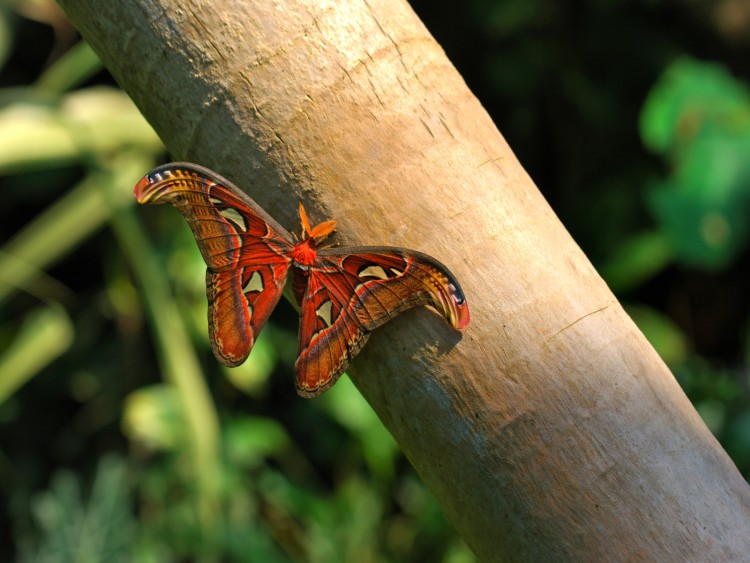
(343, 293)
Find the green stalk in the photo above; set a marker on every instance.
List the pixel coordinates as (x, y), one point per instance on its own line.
(179, 363)
(51, 235)
(45, 334)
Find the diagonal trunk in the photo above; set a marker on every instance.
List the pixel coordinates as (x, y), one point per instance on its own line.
(550, 430)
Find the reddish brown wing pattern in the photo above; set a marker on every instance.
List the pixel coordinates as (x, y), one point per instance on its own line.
(246, 251)
(344, 294)
(352, 292)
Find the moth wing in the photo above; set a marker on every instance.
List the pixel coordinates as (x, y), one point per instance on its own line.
(247, 253)
(352, 292)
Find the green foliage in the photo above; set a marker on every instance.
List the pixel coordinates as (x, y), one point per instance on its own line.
(103, 355)
(697, 117)
(44, 334)
(77, 529)
(120, 436)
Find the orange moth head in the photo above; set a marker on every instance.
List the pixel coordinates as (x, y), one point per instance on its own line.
(318, 232)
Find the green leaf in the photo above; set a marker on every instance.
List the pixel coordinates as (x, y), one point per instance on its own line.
(347, 406)
(72, 527)
(45, 334)
(688, 95)
(39, 135)
(154, 417)
(250, 439)
(663, 334)
(6, 34)
(252, 376)
(77, 65)
(636, 260)
(699, 117)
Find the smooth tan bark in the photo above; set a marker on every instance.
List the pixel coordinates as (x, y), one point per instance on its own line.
(550, 429)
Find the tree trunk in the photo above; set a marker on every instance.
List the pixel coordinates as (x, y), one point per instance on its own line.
(550, 429)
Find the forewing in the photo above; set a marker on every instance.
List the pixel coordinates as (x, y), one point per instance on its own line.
(246, 251)
(351, 292)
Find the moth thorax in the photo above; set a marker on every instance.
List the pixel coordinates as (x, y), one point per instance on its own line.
(304, 252)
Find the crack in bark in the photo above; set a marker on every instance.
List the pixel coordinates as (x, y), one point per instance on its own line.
(446, 127)
(574, 322)
(491, 160)
(388, 35)
(206, 31)
(427, 127)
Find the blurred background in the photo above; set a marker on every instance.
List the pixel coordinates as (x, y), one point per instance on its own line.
(121, 438)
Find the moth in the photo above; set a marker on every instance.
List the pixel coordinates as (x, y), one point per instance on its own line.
(343, 293)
